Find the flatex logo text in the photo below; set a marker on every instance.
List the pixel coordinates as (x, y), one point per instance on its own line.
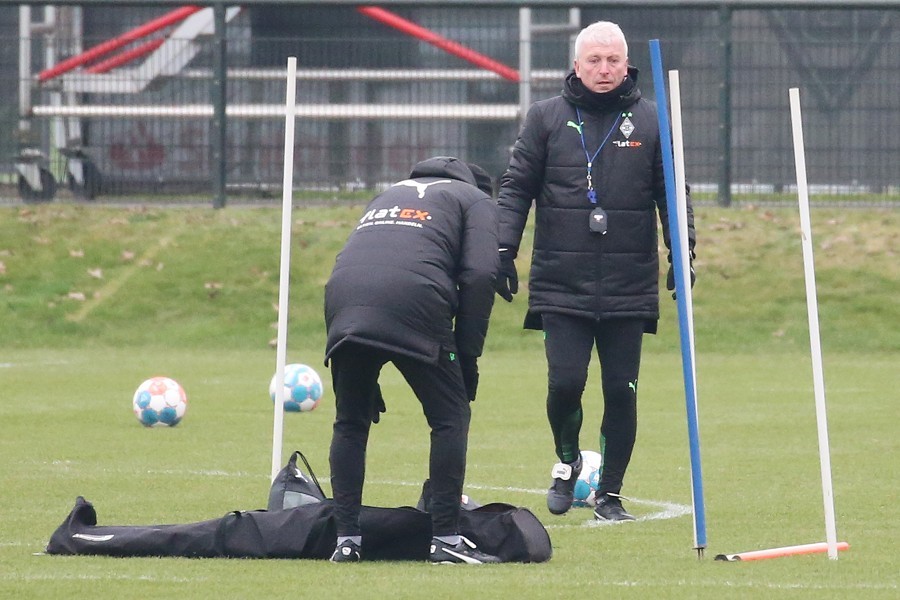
(409, 217)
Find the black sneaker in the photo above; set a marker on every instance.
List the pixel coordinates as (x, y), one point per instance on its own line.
(562, 493)
(347, 552)
(465, 552)
(609, 508)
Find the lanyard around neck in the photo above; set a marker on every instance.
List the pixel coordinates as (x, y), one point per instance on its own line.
(592, 195)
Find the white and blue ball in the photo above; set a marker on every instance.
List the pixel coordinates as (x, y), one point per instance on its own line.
(589, 479)
(159, 402)
(302, 388)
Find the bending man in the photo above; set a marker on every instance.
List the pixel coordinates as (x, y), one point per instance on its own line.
(412, 286)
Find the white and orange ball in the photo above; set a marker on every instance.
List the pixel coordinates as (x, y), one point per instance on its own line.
(159, 402)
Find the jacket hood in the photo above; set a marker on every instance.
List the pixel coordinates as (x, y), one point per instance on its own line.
(444, 166)
(626, 94)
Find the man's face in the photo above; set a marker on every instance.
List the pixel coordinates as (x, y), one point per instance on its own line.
(602, 67)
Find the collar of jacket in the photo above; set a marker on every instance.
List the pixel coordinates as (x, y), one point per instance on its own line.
(622, 97)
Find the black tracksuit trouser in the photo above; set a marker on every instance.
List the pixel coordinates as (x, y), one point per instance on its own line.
(440, 389)
(568, 342)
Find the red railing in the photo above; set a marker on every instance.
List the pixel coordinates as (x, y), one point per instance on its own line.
(126, 38)
(379, 14)
(126, 57)
(426, 35)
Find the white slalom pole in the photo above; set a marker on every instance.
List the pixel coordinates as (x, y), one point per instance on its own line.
(681, 198)
(681, 213)
(284, 276)
(813, 313)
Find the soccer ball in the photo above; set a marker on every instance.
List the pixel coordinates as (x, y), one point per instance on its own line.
(591, 461)
(589, 479)
(159, 402)
(302, 388)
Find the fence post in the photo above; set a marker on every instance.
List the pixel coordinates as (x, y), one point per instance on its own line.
(218, 138)
(524, 63)
(724, 197)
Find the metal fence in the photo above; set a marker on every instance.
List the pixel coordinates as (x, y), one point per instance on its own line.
(141, 119)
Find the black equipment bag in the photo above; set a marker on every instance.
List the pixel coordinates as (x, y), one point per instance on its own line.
(299, 523)
(308, 531)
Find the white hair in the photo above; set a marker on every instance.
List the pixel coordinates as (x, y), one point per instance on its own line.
(601, 32)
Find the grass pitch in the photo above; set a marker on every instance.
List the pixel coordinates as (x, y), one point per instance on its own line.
(68, 430)
(199, 309)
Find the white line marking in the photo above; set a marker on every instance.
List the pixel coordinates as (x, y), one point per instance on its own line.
(751, 584)
(202, 473)
(667, 510)
(105, 577)
(42, 363)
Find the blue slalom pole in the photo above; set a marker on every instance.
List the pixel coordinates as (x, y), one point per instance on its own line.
(681, 291)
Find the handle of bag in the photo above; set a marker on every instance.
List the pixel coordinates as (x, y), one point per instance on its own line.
(293, 463)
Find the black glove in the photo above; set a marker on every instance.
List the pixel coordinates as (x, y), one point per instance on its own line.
(670, 276)
(507, 282)
(469, 366)
(377, 404)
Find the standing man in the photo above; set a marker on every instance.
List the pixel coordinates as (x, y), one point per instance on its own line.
(412, 286)
(591, 162)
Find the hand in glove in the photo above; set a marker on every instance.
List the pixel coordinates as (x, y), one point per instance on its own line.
(670, 276)
(507, 282)
(377, 404)
(469, 366)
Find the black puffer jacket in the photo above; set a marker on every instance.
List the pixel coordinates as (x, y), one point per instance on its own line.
(575, 271)
(416, 275)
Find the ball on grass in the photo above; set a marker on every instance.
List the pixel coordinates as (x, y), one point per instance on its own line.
(159, 402)
(589, 479)
(302, 388)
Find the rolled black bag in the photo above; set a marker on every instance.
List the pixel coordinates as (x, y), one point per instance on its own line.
(308, 531)
(299, 523)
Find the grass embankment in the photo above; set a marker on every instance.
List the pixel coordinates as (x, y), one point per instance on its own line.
(194, 277)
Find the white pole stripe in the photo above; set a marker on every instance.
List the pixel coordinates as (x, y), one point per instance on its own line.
(813, 314)
(681, 206)
(284, 277)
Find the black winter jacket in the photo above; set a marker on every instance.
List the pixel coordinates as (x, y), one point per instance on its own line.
(575, 271)
(416, 275)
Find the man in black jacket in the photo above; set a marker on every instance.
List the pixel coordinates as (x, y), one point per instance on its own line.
(413, 286)
(591, 162)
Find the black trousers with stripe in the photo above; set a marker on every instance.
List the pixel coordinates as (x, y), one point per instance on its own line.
(568, 342)
(440, 389)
